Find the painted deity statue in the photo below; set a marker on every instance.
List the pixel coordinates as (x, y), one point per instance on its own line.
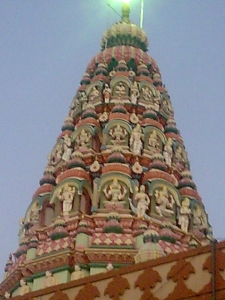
(118, 134)
(184, 216)
(67, 150)
(120, 89)
(136, 140)
(83, 139)
(66, 195)
(77, 274)
(168, 152)
(24, 288)
(143, 202)
(134, 93)
(115, 192)
(50, 279)
(107, 93)
(153, 143)
(164, 202)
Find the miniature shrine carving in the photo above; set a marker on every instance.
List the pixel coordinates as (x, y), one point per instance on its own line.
(115, 191)
(118, 134)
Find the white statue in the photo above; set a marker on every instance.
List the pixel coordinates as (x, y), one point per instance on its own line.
(185, 212)
(107, 93)
(67, 150)
(164, 202)
(168, 152)
(24, 288)
(77, 274)
(83, 139)
(66, 195)
(118, 134)
(83, 99)
(109, 267)
(143, 202)
(114, 191)
(136, 140)
(94, 93)
(50, 279)
(134, 93)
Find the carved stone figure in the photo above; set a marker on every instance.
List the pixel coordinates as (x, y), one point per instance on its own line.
(120, 89)
(34, 214)
(66, 195)
(136, 140)
(146, 93)
(107, 93)
(198, 218)
(55, 157)
(24, 288)
(118, 134)
(83, 139)
(134, 93)
(109, 267)
(143, 202)
(50, 279)
(168, 152)
(115, 192)
(185, 212)
(83, 99)
(164, 202)
(77, 274)
(153, 143)
(67, 150)
(94, 93)
(74, 106)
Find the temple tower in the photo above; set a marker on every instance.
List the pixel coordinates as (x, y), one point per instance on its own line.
(117, 188)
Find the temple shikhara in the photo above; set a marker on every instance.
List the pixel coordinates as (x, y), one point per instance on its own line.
(117, 214)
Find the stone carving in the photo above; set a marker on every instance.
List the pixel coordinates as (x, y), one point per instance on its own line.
(83, 99)
(180, 157)
(94, 93)
(153, 143)
(56, 155)
(136, 140)
(83, 139)
(120, 89)
(168, 152)
(118, 134)
(67, 150)
(77, 274)
(115, 192)
(166, 106)
(107, 93)
(34, 214)
(143, 202)
(50, 279)
(109, 267)
(74, 106)
(66, 195)
(164, 202)
(184, 215)
(134, 93)
(199, 220)
(24, 288)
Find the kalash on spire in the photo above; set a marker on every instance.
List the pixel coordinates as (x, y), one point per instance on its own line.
(117, 189)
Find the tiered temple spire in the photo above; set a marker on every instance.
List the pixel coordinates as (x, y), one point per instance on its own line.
(117, 188)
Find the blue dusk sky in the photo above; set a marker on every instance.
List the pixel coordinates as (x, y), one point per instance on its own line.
(45, 47)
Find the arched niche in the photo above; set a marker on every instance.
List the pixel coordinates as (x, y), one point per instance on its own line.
(200, 219)
(179, 158)
(83, 137)
(114, 191)
(165, 200)
(71, 191)
(154, 140)
(32, 216)
(94, 92)
(117, 132)
(166, 108)
(47, 211)
(149, 95)
(120, 86)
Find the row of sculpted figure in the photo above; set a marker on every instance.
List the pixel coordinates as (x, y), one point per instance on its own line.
(121, 91)
(138, 140)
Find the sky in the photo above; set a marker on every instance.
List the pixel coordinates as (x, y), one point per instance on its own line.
(45, 47)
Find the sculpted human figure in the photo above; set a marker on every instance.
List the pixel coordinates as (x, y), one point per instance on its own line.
(83, 100)
(164, 204)
(77, 274)
(114, 191)
(24, 288)
(120, 89)
(143, 202)
(74, 106)
(185, 212)
(83, 139)
(168, 151)
(67, 150)
(146, 93)
(136, 140)
(118, 134)
(134, 93)
(107, 93)
(50, 279)
(94, 93)
(198, 218)
(153, 140)
(66, 195)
